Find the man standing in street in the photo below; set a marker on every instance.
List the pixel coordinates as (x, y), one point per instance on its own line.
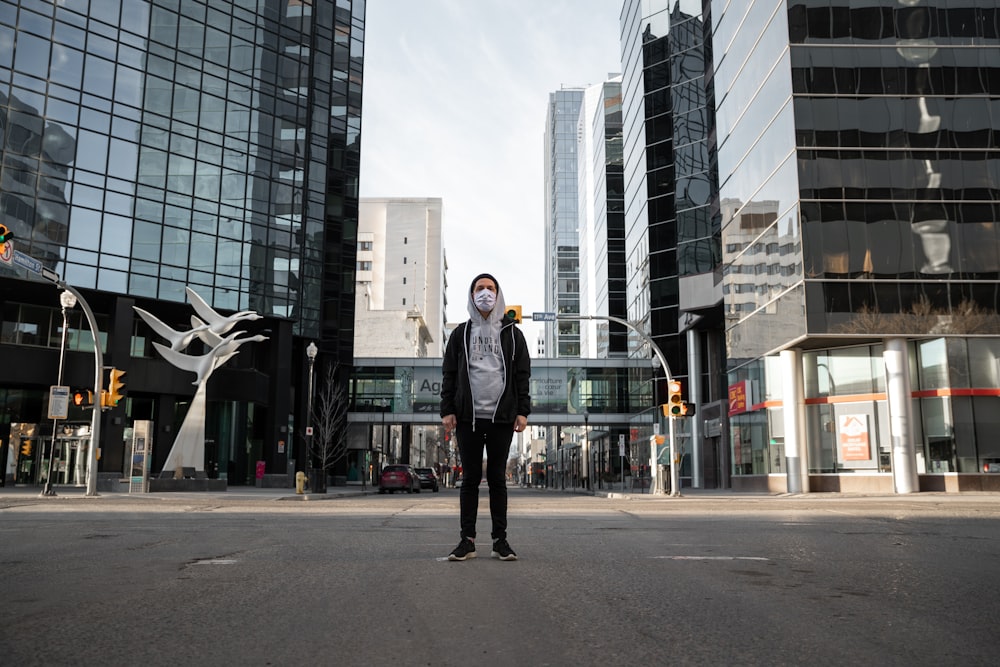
(484, 398)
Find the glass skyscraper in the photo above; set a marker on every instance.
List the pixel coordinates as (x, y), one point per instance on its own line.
(562, 220)
(153, 145)
(810, 186)
(858, 159)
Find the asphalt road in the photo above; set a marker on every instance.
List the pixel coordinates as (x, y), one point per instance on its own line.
(362, 580)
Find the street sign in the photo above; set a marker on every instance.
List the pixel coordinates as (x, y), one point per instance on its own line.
(26, 262)
(543, 317)
(58, 402)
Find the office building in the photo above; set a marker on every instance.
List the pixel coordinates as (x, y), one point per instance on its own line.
(400, 279)
(562, 219)
(857, 154)
(604, 283)
(153, 145)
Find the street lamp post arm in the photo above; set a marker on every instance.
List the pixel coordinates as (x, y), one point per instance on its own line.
(95, 424)
(634, 327)
(674, 472)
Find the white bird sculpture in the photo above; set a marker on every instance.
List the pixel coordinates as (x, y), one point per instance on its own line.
(218, 324)
(179, 340)
(203, 365)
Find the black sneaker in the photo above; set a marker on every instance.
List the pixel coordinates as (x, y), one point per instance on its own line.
(502, 550)
(465, 549)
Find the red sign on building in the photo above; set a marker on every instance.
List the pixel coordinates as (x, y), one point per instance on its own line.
(739, 396)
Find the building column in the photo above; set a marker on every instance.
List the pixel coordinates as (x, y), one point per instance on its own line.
(794, 409)
(900, 402)
(694, 397)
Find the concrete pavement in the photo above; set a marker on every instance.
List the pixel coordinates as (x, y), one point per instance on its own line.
(252, 493)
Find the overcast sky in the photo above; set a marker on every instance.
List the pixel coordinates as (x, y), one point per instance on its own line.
(455, 95)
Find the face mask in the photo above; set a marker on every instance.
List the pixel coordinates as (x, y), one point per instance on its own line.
(485, 299)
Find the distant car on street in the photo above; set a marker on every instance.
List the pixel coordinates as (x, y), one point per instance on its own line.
(428, 479)
(399, 477)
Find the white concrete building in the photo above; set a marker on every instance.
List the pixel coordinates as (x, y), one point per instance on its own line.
(400, 278)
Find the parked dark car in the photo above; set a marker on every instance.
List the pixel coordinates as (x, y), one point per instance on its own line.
(399, 477)
(428, 479)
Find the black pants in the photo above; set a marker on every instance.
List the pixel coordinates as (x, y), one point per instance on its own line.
(495, 439)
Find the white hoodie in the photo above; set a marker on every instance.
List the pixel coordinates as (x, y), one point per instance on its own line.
(485, 357)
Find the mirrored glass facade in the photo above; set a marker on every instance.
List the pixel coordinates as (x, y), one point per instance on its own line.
(151, 145)
(609, 222)
(858, 151)
(867, 180)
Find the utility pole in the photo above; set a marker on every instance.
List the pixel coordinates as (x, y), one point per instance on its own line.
(674, 473)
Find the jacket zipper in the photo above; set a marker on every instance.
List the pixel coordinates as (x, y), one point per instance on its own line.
(468, 372)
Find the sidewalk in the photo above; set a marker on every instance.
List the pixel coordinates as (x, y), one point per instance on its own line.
(252, 493)
(22, 492)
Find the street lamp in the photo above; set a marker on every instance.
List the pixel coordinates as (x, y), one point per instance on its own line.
(311, 351)
(586, 448)
(68, 301)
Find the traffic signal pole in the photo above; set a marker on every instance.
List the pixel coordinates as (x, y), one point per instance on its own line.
(95, 423)
(674, 466)
(31, 264)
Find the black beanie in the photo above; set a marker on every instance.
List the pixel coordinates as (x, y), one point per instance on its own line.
(483, 275)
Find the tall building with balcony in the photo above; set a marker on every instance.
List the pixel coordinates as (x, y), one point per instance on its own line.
(153, 145)
(562, 219)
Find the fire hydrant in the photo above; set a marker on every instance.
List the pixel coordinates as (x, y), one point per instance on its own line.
(300, 482)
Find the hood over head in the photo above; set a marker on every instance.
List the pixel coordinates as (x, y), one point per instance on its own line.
(499, 309)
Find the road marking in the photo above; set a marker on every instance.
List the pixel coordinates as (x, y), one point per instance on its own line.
(710, 558)
(216, 561)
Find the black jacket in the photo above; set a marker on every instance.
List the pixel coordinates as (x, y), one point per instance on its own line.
(456, 392)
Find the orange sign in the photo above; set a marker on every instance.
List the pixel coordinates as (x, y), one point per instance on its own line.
(853, 430)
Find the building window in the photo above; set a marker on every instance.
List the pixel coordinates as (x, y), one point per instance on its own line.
(404, 301)
(364, 266)
(365, 246)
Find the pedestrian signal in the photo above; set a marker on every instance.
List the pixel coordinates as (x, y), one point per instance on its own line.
(82, 398)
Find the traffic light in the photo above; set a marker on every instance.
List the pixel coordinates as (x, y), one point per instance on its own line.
(115, 387)
(5, 235)
(26, 448)
(675, 402)
(514, 312)
(82, 398)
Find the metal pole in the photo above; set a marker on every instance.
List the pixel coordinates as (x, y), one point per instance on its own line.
(311, 351)
(656, 352)
(675, 473)
(621, 463)
(67, 300)
(95, 423)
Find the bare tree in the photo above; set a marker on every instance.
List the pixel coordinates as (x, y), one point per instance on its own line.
(329, 418)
